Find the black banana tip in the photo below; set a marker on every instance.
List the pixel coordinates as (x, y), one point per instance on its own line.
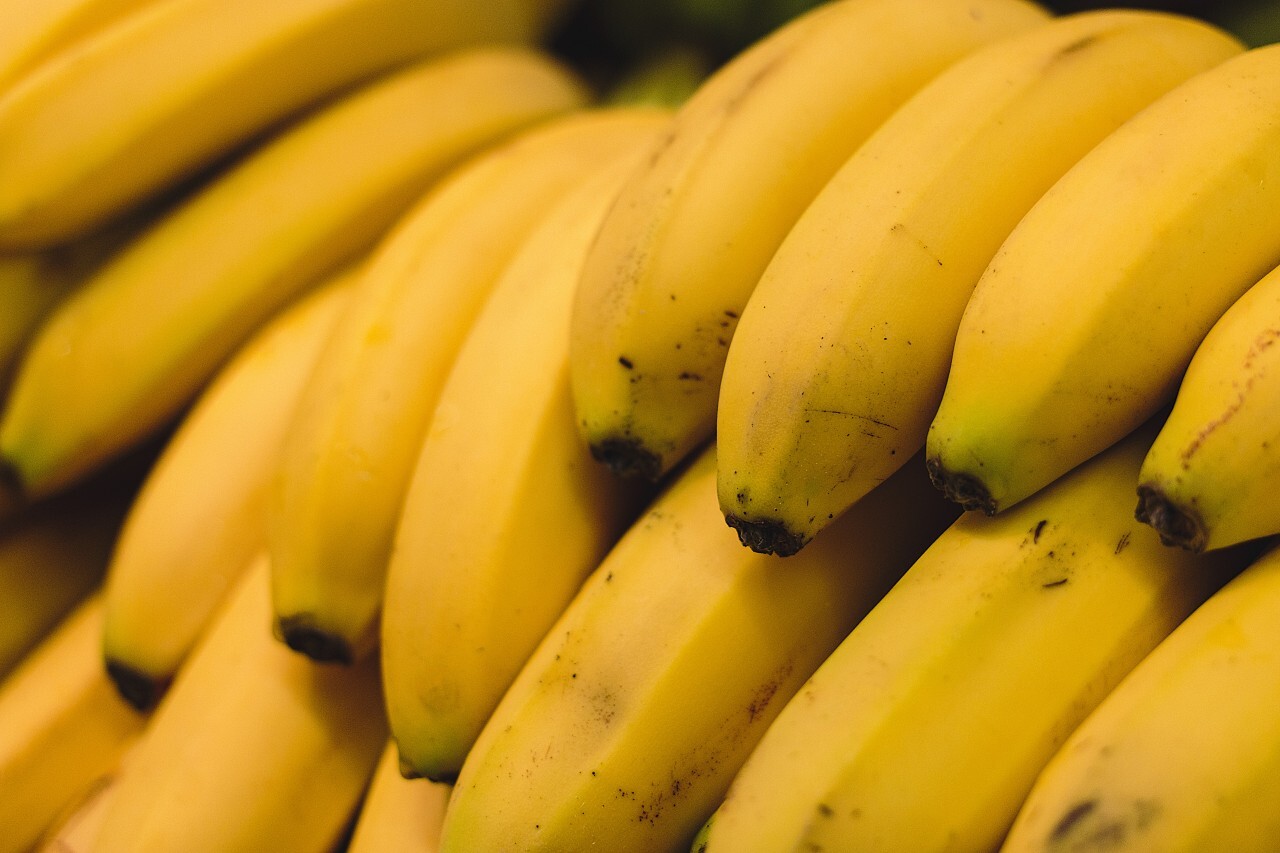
(627, 457)
(135, 686)
(301, 634)
(1177, 525)
(964, 489)
(767, 537)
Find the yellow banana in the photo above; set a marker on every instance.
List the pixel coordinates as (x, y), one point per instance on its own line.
(691, 234)
(925, 729)
(61, 728)
(1183, 755)
(1210, 477)
(350, 451)
(31, 33)
(626, 725)
(399, 815)
(841, 355)
(52, 556)
(506, 513)
(1088, 314)
(201, 514)
(253, 748)
(121, 115)
(138, 339)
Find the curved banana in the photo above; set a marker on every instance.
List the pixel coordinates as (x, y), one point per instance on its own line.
(136, 341)
(841, 355)
(1091, 310)
(399, 815)
(925, 729)
(1183, 755)
(124, 114)
(52, 556)
(506, 513)
(1210, 478)
(253, 748)
(692, 231)
(31, 33)
(350, 451)
(201, 514)
(62, 727)
(627, 723)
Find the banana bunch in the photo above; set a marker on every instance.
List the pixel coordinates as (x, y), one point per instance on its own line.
(405, 444)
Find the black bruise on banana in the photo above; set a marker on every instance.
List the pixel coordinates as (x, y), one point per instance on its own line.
(627, 457)
(766, 537)
(300, 633)
(964, 489)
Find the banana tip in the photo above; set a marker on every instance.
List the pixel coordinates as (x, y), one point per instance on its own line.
(766, 537)
(965, 489)
(628, 457)
(301, 634)
(135, 686)
(1177, 524)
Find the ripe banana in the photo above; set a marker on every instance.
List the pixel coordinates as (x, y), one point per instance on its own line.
(351, 448)
(253, 748)
(399, 815)
(1210, 477)
(201, 514)
(52, 556)
(32, 33)
(138, 340)
(1183, 755)
(505, 513)
(121, 115)
(61, 727)
(841, 355)
(692, 232)
(925, 729)
(635, 711)
(1086, 318)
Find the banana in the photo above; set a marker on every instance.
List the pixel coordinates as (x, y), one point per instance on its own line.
(692, 232)
(840, 357)
(201, 514)
(505, 513)
(1183, 755)
(399, 815)
(627, 723)
(253, 748)
(75, 830)
(121, 115)
(1090, 311)
(61, 727)
(351, 448)
(138, 339)
(31, 33)
(925, 729)
(53, 555)
(1209, 479)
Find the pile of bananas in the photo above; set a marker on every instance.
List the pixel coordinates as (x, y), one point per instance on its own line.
(376, 391)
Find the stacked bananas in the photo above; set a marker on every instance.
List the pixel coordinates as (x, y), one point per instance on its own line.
(405, 445)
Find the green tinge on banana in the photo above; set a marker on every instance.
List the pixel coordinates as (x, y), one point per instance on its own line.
(350, 451)
(1082, 325)
(165, 92)
(1210, 478)
(253, 748)
(840, 358)
(926, 728)
(644, 698)
(1185, 754)
(201, 513)
(137, 341)
(675, 263)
